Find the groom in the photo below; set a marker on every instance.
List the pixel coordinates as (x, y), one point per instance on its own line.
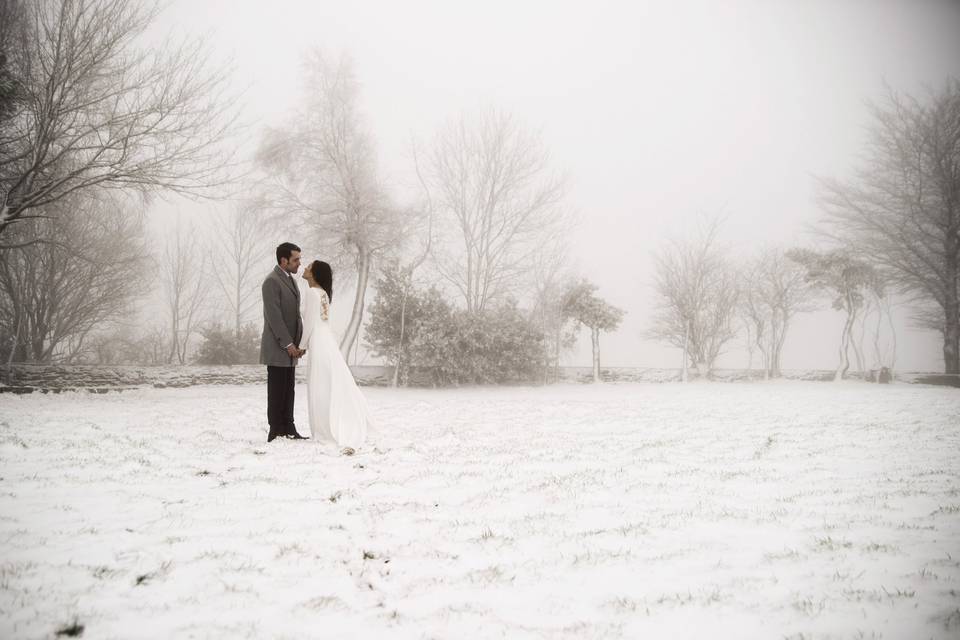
(282, 329)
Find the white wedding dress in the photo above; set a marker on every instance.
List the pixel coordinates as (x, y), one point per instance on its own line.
(338, 411)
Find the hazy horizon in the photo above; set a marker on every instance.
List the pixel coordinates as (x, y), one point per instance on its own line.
(657, 112)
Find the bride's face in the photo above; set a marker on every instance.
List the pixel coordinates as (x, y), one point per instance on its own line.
(308, 273)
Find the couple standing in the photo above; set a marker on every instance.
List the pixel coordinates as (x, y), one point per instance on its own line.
(338, 412)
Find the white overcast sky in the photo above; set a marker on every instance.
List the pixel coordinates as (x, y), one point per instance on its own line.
(657, 111)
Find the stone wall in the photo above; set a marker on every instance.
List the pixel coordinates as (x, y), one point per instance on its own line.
(103, 379)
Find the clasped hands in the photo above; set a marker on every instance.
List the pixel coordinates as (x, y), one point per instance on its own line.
(295, 352)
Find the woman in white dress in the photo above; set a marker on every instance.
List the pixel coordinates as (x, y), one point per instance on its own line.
(338, 411)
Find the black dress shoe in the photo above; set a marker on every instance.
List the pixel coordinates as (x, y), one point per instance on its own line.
(271, 436)
(296, 436)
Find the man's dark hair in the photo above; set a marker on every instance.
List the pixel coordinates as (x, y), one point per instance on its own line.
(286, 250)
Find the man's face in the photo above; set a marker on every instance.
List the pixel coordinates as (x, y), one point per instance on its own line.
(293, 264)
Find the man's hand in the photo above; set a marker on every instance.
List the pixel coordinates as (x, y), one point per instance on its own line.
(293, 351)
(302, 353)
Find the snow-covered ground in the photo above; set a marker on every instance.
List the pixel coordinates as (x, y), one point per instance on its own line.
(765, 510)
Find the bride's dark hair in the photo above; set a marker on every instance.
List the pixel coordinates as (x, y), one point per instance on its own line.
(323, 274)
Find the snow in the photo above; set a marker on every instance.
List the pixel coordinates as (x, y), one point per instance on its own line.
(735, 510)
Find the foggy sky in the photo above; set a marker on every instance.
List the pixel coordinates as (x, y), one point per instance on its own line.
(657, 112)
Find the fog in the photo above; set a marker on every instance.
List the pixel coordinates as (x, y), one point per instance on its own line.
(657, 113)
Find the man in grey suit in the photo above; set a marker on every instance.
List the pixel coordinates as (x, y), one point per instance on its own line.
(279, 348)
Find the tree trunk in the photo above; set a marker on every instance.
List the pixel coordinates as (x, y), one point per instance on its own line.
(595, 338)
(775, 371)
(764, 355)
(237, 320)
(403, 317)
(353, 328)
(845, 340)
(686, 341)
(951, 307)
(556, 352)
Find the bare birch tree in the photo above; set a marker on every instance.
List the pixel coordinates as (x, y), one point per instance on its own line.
(94, 108)
(322, 174)
(237, 250)
(551, 275)
(697, 291)
(901, 211)
(184, 287)
(773, 290)
(497, 199)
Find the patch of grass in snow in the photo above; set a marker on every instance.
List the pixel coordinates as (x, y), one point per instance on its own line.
(876, 547)
(786, 554)
(861, 595)
(15, 569)
(334, 497)
(247, 566)
(229, 587)
(146, 578)
(763, 448)
(14, 440)
(916, 527)
(809, 606)
(951, 619)
(490, 575)
(623, 604)
(926, 574)
(102, 572)
(72, 630)
(899, 593)
(829, 544)
(326, 602)
(951, 508)
(838, 577)
(596, 558)
(703, 596)
(287, 549)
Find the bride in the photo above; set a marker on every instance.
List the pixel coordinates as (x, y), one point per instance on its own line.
(338, 411)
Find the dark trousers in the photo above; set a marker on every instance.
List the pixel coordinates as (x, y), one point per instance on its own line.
(281, 382)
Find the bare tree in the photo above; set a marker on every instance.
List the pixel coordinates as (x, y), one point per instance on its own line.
(696, 284)
(773, 290)
(14, 43)
(902, 210)
(53, 295)
(876, 324)
(415, 221)
(239, 250)
(94, 109)
(182, 271)
(497, 199)
(551, 275)
(321, 173)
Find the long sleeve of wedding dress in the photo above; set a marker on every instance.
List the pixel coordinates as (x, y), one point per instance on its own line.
(308, 320)
(316, 308)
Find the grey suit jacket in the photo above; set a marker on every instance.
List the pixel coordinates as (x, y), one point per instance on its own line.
(281, 319)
